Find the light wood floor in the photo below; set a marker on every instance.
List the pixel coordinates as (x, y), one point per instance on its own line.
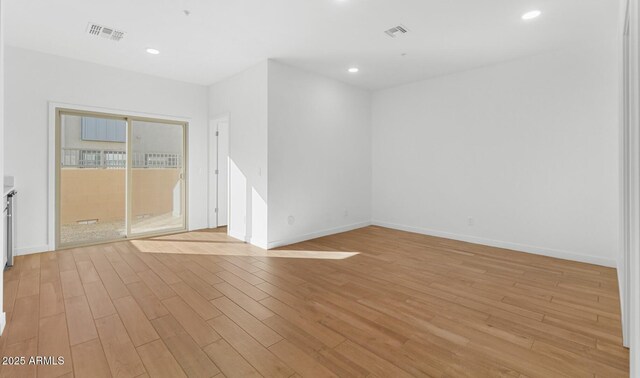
(202, 305)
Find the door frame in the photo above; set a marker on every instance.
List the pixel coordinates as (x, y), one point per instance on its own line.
(630, 184)
(55, 109)
(213, 178)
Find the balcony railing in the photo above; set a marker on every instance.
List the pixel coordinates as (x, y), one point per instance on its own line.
(114, 159)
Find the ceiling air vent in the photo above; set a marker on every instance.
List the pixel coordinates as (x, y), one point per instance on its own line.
(396, 31)
(104, 32)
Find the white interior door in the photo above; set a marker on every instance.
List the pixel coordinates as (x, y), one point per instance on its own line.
(219, 172)
(223, 172)
(213, 180)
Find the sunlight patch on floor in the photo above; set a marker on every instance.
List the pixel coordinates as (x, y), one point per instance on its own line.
(204, 238)
(226, 248)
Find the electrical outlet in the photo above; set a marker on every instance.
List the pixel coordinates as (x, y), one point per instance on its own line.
(471, 221)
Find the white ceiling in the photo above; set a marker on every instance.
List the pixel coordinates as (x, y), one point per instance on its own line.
(223, 37)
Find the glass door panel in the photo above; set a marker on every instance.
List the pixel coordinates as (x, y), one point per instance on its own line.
(91, 174)
(157, 188)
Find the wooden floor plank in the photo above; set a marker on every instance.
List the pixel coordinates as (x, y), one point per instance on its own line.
(301, 362)
(71, 284)
(197, 302)
(369, 361)
(232, 364)
(66, 261)
(158, 361)
(159, 287)
(29, 285)
(201, 332)
(199, 285)
(159, 268)
(10, 292)
(24, 321)
(258, 356)
(121, 355)
(79, 320)
(111, 281)
(187, 352)
(87, 271)
(315, 329)
(53, 341)
(265, 335)
(99, 300)
(138, 326)
(25, 349)
(89, 360)
(51, 299)
(242, 285)
(247, 303)
(149, 303)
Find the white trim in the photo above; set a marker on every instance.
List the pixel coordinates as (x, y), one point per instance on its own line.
(630, 181)
(258, 244)
(317, 234)
(631, 161)
(51, 146)
(3, 322)
(31, 250)
(565, 255)
(239, 237)
(626, 188)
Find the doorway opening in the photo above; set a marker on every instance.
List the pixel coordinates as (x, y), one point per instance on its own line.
(118, 177)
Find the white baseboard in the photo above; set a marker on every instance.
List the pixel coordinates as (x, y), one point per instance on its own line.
(199, 226)
(258, 244)
(565, 255)
(30, 250)
(624, 320)
(3, 322)
(317, 234)
(238, 236)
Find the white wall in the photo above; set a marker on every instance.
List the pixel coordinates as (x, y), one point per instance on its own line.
(243, 98)
(528, 148)
(34, 79)
(319, 155)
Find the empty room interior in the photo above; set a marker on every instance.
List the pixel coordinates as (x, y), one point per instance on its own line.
(320, 188)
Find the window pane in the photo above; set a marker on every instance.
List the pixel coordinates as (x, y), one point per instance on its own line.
(157, 196)
(92, 183)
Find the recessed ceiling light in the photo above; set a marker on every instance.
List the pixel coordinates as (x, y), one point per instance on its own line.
(153, 51)
(354, 69)
(531, 15)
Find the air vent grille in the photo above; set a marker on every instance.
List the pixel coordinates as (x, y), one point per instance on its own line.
(104, 32)
(396, 31)
(94, 29)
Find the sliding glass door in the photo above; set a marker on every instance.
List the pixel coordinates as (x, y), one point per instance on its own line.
(118, 177)
(157, 177)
